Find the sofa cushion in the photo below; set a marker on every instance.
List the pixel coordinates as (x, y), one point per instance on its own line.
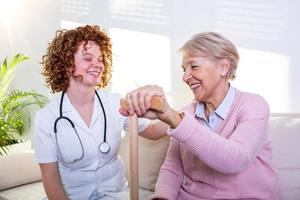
(151, 156)
(18, 169)
(30, 191)
(285, 134)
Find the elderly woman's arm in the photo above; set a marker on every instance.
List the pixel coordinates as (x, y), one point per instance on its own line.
(233, 154)
(171, 174)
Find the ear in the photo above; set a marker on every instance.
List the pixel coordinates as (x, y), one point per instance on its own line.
(224, 66)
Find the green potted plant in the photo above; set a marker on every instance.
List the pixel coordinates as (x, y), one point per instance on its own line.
(14, 115)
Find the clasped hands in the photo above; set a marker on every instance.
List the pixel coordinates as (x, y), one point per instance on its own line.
(140, 102)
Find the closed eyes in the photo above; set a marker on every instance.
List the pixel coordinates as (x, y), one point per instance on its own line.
(89, 59)
(193, 67)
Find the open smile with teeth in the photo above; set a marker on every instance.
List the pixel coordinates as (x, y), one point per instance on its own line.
(194, 85)
(94, 73)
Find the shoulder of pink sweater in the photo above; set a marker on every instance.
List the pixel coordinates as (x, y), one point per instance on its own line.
(250, 101)
(243, 100)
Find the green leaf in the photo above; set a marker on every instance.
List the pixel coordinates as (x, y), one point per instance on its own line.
(14, 114)
(7, 71)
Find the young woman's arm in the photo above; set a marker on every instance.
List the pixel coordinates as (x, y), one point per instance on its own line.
(51, 181)
(155, 131)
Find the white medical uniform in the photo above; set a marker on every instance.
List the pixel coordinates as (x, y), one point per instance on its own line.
(104, 173)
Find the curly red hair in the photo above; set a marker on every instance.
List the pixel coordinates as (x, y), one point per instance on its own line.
(59, 60)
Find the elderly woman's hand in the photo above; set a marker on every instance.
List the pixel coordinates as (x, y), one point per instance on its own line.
(139, 102)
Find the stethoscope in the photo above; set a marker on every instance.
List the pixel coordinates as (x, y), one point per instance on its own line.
(103, 147)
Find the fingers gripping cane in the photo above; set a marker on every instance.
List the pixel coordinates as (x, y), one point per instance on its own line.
(156, 104)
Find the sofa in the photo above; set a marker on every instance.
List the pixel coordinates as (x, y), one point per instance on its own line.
(20, 177)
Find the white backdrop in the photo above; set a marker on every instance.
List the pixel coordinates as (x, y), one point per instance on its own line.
(146, 35)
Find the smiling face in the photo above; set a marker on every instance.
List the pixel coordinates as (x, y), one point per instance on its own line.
(203, 76)
(88, 63)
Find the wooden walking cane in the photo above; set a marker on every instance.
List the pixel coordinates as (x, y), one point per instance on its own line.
(156, 104)
(133, 157)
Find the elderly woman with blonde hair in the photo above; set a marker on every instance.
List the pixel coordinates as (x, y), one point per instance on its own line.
(219, 147)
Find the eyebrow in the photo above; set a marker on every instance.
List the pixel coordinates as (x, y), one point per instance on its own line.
(87, 53)
(90, 54)
(188, 63)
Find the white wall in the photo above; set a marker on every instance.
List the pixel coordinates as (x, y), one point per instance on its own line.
(265, 32)
(27, 31)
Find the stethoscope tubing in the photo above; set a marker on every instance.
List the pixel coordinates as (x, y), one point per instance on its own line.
(103, 147)
(104, 115)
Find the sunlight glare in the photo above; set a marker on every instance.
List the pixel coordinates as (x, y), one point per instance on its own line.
(8, 8)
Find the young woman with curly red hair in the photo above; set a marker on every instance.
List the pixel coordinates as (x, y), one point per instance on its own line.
(77, 135)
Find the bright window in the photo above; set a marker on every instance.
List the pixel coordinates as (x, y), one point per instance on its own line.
(139, 59)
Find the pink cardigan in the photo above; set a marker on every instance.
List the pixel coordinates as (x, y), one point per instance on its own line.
(234, 162)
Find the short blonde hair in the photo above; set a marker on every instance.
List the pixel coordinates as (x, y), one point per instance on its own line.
(214, 46)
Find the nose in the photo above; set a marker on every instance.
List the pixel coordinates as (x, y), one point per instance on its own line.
(98, 64)
(187, 74)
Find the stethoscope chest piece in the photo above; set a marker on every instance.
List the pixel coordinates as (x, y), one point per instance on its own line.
(104, 147)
